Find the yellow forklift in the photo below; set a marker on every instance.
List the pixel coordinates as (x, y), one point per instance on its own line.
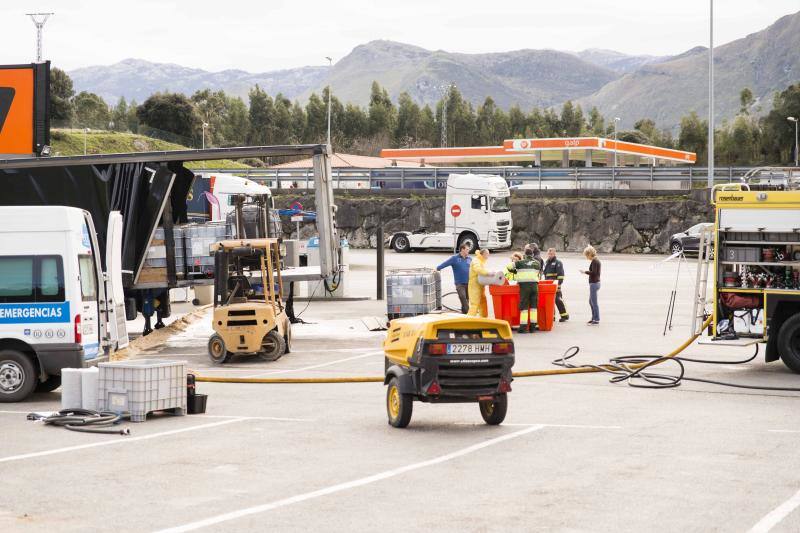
(448, 358)
(249, 313)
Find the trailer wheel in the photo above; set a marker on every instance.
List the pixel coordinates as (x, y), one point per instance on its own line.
(272, 347)
(217, 351)
(494, 411)
(17, 376)
(401, 245)
(398, 405)
(49, 385)
(789, 343)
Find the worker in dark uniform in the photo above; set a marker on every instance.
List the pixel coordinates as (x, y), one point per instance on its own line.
(554, 270)
(528, 271)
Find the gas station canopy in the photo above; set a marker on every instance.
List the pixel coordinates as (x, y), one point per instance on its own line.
(591, 150)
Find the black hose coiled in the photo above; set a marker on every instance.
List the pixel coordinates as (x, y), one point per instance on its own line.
(84, 420)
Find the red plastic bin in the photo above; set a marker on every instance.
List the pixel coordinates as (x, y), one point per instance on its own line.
(505, 300)
(546, 304)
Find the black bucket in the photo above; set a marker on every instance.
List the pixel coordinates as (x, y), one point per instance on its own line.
(196, 404)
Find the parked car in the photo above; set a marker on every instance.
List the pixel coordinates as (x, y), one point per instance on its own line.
(688, 241)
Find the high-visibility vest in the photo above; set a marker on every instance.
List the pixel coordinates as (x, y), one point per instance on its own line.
(528, 270)
(509, 273)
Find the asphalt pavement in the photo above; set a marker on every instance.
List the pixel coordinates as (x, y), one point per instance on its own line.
(576, 453)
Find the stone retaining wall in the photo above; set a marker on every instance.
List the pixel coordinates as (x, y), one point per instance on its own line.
(633, 225)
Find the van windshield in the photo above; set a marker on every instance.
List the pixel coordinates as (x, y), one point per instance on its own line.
(500, 204)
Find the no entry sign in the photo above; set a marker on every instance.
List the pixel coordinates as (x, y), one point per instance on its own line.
(455, 210)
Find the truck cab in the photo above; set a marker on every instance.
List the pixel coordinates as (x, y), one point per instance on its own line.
(55, 310)
(477, 213)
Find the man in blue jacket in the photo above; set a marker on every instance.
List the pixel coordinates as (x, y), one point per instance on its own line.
(460, 264)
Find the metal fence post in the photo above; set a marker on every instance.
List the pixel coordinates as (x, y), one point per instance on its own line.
(402, 179)
(379, 261)
(651, 178)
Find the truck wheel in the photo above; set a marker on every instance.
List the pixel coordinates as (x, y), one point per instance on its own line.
(470, 240)
(17, 376)
(398, 405)
(401, 245)
(217, 351)
(49, 385)
(789, 343)
(272, 347)
(494, 411)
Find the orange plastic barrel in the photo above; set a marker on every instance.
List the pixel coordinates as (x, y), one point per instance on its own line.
(505, 300)
(546, 304)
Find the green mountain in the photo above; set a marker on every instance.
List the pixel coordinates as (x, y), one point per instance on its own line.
(524, 77)
(766, 61)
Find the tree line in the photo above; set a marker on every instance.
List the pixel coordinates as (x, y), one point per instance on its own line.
(748, 139)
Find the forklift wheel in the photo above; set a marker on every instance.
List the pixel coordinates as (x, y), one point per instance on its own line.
(217, 351)
(494, 411)
(398, 405)
(272, 347)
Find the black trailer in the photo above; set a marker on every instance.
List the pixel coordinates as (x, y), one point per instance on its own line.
(149, 189)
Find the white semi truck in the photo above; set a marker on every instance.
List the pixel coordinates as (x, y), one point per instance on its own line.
(477, 213)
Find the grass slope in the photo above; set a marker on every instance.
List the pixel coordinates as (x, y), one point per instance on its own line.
(71, 142)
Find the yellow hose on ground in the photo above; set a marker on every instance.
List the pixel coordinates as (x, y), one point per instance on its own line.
(379, 379)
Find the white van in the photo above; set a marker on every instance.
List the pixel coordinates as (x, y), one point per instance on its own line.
(477, 214)
(53, 305)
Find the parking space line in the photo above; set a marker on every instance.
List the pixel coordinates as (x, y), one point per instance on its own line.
(270, 418)
(226, 517)
(777, 515)
(573, 426)
(783, 431)
(320, 365)
(119, 440)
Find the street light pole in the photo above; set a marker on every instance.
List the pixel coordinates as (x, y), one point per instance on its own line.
(711, 95)
(614, 168)
(330, 65)
(795, 120)
(205, 125)
(85, 133)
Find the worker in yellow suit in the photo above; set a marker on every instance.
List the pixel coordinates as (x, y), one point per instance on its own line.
(477, 292)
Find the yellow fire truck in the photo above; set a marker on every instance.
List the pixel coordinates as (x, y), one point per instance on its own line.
(756, 292)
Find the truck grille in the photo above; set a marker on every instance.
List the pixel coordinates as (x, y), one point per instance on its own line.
(469, 379)
(502, 234)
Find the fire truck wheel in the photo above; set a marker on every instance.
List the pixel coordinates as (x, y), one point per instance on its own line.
(789, 343)
(494, 411)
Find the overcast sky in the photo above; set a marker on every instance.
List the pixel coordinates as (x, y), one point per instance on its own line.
(266, 35)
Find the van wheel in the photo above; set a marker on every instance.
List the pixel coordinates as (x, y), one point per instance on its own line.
(272, 347)
(470, 240)
(401, 245)
(49, 385)
(789, 343)
(398, 405)
(494, 411)
(217, 351)
(17, 376)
